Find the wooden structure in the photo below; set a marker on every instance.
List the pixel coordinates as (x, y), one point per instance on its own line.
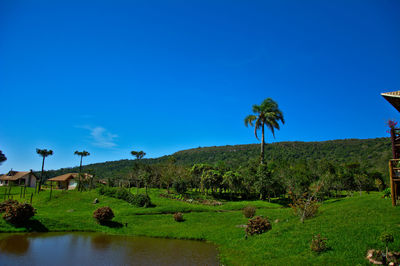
(19, 179)
(65, 181)
(69, 181)
(394, 164)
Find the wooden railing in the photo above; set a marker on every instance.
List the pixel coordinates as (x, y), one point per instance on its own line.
(394, 171)
(395, 139)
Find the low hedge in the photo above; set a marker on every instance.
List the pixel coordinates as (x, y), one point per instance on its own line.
(139, 200)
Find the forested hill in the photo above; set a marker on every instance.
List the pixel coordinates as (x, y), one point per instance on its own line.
(365, 151)
(371, 153)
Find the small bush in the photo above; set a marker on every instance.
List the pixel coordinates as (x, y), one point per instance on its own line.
(122, 193)
(103, 215)
(180, 186)
(249, 211)
(141, 200)
(5, 204)
(18, 213)
(178, 216)
(107, 191)
(318, 243)
(305, 207)
(386, 193)
(386, 238)
(258, 225)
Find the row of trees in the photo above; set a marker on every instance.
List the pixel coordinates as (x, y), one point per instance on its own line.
(255, 180)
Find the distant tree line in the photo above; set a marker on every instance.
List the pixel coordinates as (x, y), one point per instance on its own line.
(371, 154)
(255, 180)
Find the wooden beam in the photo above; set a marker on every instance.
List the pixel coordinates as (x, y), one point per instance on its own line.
(391, 183)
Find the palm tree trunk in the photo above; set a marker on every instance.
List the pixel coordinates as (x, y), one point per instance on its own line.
(262, 144)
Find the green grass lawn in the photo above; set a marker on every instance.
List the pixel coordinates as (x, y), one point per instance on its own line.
(352, 225)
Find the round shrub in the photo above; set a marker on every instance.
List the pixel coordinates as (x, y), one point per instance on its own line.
(178, 216)
(122, 193)
(5, 204)
(141, 200)
(249, 211)
(318, 243)
(103, 214)
(18, 213)
(258, 225)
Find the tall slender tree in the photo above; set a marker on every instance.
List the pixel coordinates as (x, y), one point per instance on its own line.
(82, 154)
(267, 114)
(44, 153)
(139, 155)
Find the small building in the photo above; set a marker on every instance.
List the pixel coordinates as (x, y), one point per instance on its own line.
(19, 179)
(65, 181)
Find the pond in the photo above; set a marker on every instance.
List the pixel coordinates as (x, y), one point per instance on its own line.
(101, 249)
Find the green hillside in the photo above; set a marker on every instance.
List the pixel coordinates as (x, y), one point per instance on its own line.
(373, 154)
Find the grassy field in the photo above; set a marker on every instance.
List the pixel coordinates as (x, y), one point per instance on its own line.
(352, 225)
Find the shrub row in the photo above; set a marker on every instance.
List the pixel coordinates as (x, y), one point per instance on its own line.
(139, 200)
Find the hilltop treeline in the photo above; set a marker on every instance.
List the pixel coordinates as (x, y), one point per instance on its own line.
(371, 154)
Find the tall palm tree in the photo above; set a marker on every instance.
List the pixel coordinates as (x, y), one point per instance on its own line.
(82, 154)
(265, 114)
(44, 153)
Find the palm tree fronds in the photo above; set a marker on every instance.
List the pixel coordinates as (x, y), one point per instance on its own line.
(249, 120)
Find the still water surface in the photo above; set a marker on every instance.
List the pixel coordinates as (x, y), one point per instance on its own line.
(101, 249)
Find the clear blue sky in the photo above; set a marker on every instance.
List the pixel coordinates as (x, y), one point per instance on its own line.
(161, 76)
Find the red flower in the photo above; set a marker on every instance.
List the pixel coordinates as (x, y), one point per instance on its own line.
(392, 124)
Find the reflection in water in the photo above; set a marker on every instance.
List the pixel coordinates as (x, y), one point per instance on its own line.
(14, 244)
(102, 249)
(101, 241)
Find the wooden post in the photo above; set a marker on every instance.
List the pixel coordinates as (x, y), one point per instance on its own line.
(24, 191)
(31, 197)
(391, 182)
(5, 192)
(392, 138)
(20, 194)
(9, 190)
